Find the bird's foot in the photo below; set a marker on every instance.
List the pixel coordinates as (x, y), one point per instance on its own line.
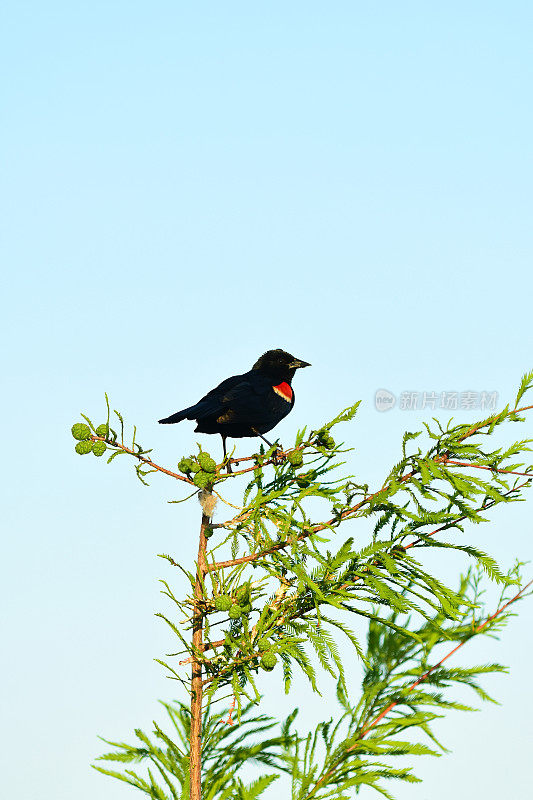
(278, 456)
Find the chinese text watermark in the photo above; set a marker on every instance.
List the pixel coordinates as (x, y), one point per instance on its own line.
(467, 400)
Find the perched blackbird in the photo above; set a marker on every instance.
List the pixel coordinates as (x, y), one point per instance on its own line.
(247, 405)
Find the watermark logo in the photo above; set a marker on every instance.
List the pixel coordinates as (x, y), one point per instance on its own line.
(428, 400)
(384, 400)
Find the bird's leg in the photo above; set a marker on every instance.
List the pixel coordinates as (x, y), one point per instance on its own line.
(228, 465)
(265, 440)
(275, 453)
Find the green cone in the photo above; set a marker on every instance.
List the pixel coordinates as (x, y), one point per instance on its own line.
(325, 439)
(269, 661)
(80, 431)
(84, 447)
(243, 594)
(296, 458)
(223, 602)
(201, 479)
(235, 611)
(207, 463)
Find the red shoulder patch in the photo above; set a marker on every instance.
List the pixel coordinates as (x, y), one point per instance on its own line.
(284, 390)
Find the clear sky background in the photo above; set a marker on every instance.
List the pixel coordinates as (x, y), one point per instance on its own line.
(183, 187)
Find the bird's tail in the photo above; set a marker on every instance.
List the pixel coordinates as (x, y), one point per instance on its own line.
(179, 416)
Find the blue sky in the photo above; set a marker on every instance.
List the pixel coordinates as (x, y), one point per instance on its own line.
(184, 187)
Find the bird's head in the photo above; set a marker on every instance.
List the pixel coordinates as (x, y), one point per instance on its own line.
(279, 364)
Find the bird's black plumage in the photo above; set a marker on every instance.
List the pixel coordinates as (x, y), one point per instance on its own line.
(250, 404)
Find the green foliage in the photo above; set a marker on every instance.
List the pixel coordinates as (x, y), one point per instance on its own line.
(289, 570)
(113, 442)
(325, 439)
(306, 578)
(525, 385)
(401, 693)
(355, 748)
(225, 751)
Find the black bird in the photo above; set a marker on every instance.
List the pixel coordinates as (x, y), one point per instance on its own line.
(247, 405)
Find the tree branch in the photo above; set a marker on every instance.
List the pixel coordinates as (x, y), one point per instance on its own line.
(365, 730)
(146, 461)
(196, 671)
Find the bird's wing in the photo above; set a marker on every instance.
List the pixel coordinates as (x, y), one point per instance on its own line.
(228, 394)
(222, 388)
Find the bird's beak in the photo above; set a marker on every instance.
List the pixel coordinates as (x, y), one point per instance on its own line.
(297, 364)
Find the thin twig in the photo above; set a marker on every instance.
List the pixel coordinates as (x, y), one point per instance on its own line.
(365, 730)
(461, 519)
(475, 428)
(212, 645)
(196, 672)
(491, 469)
(146, 461)
(426, 674)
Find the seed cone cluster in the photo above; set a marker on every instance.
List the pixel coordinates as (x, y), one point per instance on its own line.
(202, 467)
(85, 445)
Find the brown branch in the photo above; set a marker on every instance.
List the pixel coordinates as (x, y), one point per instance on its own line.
(146, 461)
(480, 466)
(313, 529)
(475, 428)
(229, 669)
(158, 468)
(347, 513)
(461, 519)
(229, 720)
(283, 453)
(196, 672)
(220, 642)
(279, 451)
(366, 729)
(280, 455)
(423, 677)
